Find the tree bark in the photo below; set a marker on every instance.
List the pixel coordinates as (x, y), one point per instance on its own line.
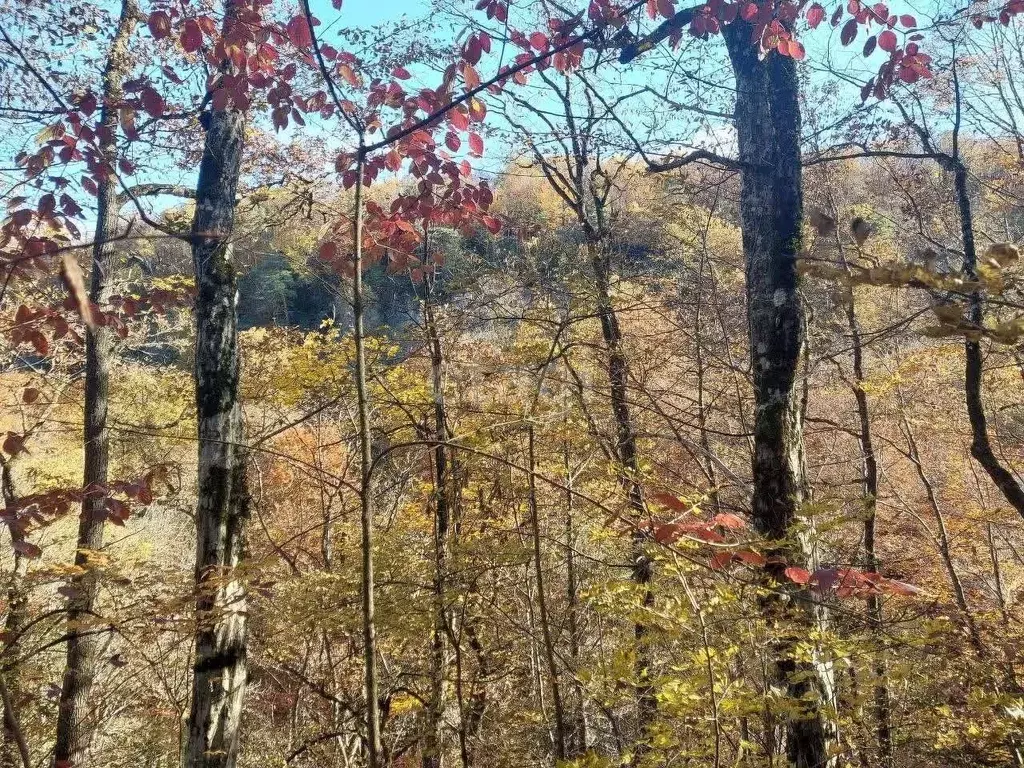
(433, 755)
(869, 482)
(542, 604)
(74, 725)
(219, 672)
(771, 207)
(577, 737)
(366, 500)
(626, 453)
(981, 444)
(15, 751)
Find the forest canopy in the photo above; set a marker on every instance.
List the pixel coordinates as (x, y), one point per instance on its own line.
(464, 384)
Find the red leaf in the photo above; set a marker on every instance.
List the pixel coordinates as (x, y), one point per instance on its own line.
(703, 533)
(728, 520)
(458, 119)
(401, 73)
(476, 144)
(667, 532)
(887, 41)
(815, 15)
(671, 502)
(908, 21)
(719, 560)
(666, 9)
(798, 575)
(328, 250)
(539, 41)
(908, 75)
(152, 102)
(159, 25)
(298, 32)
(796, 50)
(750, 557)
(493, 224)
(26, 548)
(477, 110)
(348, 75)
(451, 141)
(191, 37)
(750, 11)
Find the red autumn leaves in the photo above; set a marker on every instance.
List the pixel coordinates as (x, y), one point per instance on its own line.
(842, 581)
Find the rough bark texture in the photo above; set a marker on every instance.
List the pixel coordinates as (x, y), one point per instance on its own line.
(74, 724)
(15, 751)
(771, 206)
(219, 672)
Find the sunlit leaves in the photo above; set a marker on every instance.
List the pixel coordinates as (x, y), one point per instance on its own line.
(815, 15)
(298, 32)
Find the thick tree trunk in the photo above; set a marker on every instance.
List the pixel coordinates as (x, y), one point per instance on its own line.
(771, 205)
(74, 725)
(219, 673)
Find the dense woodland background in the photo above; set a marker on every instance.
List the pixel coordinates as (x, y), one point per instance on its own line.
(606, 385)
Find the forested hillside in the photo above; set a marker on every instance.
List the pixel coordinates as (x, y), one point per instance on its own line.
(497, 384)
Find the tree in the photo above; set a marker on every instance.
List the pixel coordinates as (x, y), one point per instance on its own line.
(219, 679)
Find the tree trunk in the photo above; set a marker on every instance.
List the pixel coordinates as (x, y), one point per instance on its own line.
(578, 737)
(981, 444)
(542, 604)
(74, 725)
(219, 672)
(366, 476)
(15, 751)
(626, 453)
(883, 708)
(771, 206)
(433, 755)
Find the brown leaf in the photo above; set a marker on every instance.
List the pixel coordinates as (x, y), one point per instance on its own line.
(74, 280)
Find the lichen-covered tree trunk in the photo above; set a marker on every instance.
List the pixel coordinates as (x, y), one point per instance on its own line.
(767, 120)
(74, 724)
(219, 672)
